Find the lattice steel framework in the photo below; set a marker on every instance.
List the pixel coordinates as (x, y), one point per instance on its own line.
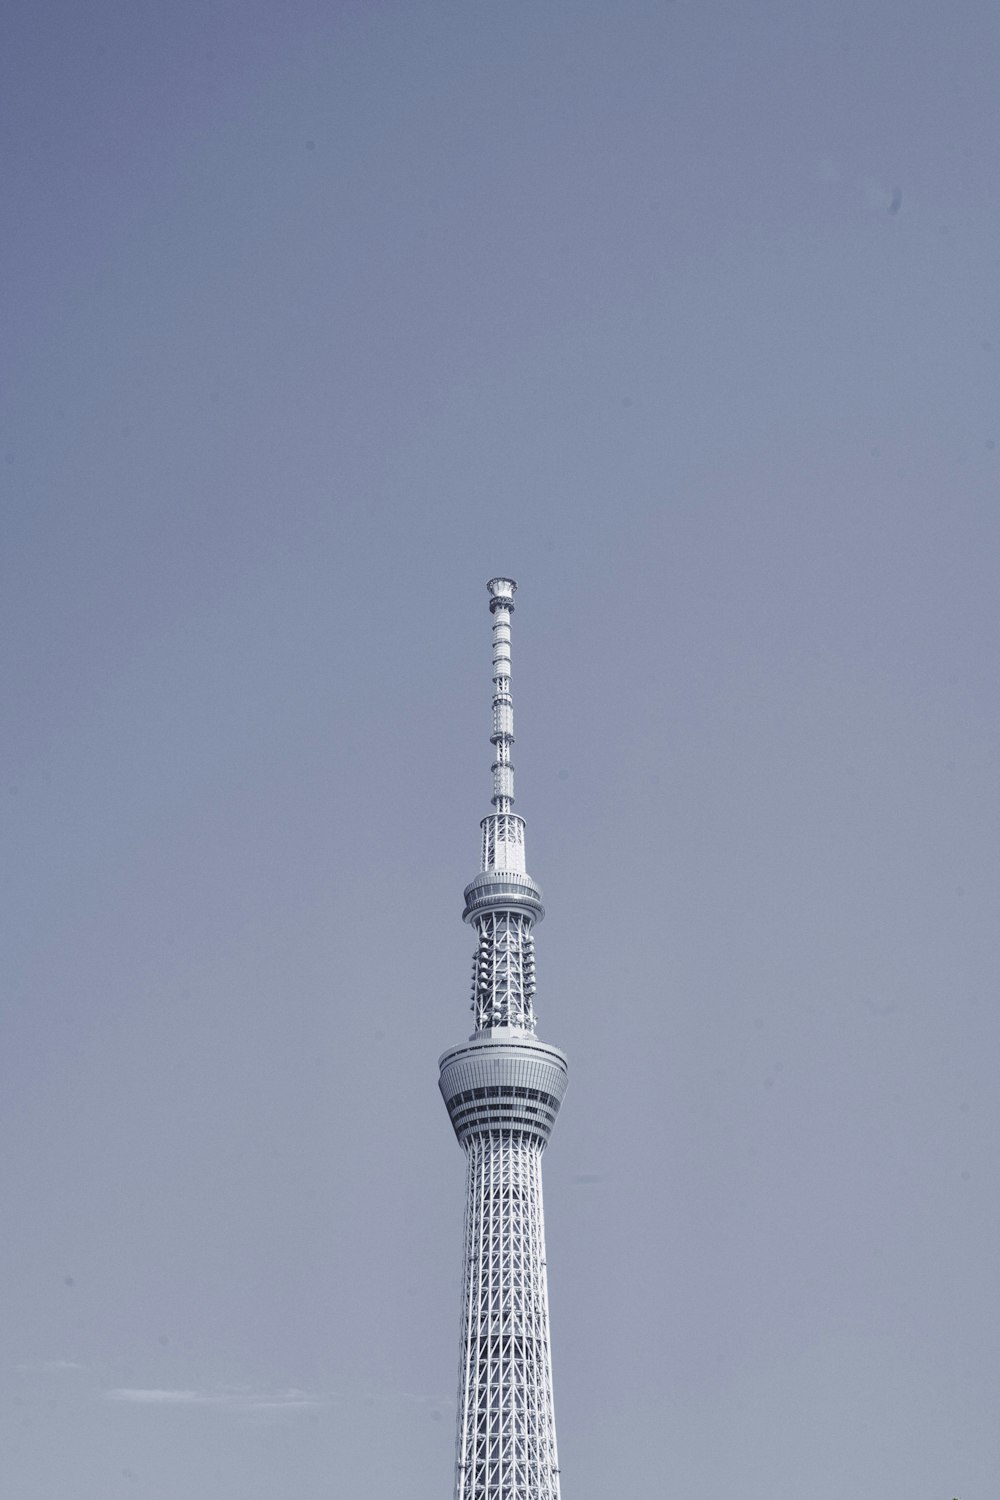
(503, 1089)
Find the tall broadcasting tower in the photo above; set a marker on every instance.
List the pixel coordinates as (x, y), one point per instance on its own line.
(503, 1089)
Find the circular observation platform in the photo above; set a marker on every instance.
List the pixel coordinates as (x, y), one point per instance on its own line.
(510, 1086)
(503, 890)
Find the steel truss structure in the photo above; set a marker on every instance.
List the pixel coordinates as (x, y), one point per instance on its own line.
(506, 1425)
(503, 1089)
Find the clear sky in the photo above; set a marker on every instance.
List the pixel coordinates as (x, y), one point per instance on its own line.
(316, 316)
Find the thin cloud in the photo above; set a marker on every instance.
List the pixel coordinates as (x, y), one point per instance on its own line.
(163, 1398)
(225, 1399)
(51, 1366)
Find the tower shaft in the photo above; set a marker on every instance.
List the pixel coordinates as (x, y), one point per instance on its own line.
(503, 1089)
(506, 1423)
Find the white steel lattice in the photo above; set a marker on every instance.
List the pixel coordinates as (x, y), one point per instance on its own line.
(503, 971)
(503, 1090)
(501, 608)
(503, 842)
(506, 1447)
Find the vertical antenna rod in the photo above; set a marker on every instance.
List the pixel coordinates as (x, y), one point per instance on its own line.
(503, 830)
(501, 608)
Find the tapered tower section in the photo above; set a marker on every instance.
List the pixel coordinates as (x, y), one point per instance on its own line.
(503, 1089)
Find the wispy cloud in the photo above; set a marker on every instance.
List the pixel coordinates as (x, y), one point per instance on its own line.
(226, 1398)
(51, 1366)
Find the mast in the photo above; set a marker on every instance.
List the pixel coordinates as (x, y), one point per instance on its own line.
(503, 903)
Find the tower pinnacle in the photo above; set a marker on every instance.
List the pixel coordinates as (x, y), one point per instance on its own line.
(503, 902)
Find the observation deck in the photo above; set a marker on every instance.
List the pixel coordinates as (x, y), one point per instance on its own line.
(514, 1085)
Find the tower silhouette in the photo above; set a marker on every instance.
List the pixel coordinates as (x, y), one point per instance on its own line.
(503, 1089)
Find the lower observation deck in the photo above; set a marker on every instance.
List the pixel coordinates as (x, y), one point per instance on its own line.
(507, 1085)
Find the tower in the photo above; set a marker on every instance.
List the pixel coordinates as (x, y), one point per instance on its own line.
(503, 1089)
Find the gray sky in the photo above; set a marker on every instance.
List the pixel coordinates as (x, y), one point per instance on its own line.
(317, 315)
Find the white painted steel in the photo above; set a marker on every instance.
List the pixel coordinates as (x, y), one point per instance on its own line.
(510, 1078)
(503, 842)
(503, 1090)
(502, 607)
(506, 1442)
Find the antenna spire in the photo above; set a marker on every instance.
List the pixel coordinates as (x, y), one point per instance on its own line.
(502, 592)
(503, 831)
(503, 903)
